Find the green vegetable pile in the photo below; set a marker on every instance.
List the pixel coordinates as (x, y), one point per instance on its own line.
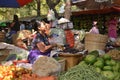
(82, 72)
(104, 65)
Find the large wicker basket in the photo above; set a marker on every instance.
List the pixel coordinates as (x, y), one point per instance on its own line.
(96, 38)
(71, 59)
(2, 36)
(95, 41)
(62, 62)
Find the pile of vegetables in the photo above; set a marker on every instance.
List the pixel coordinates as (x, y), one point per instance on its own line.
(70, 50)
(115, 54)
(104, 65)
(82, 72)
(17, 73)
(12, 72)
(94, 67)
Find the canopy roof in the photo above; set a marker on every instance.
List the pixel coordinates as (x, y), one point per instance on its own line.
(101, 11)
(95, 4)
(14, 3)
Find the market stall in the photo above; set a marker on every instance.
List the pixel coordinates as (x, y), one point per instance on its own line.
(78, 54)
(83, 19)
(80, 62)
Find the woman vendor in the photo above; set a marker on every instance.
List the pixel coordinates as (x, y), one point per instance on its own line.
(94, 29)
(40, 43)
(112, 28)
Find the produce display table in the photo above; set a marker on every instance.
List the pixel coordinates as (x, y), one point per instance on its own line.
(71, 59)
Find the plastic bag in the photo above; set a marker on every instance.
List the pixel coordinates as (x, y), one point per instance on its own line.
(58, 36)
(69, 38)
(46, 66)
(62, 9)
(51, 15)
(81, 35)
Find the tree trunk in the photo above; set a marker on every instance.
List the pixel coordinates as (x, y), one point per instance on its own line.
(38, 7)
(67, 13)
(52, 5)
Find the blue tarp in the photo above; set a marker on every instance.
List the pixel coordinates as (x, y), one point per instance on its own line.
(14, 3)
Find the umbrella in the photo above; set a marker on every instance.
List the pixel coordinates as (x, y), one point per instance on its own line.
(14, 3)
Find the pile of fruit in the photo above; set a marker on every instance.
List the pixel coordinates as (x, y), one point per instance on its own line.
(104, 65)
(12, 72)
(18, 73)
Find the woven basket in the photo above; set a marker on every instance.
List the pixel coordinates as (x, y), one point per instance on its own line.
(91, 46)
(96, 38)
(62, 62)
(95, 41)
(4, 54)
(71, 59)
(2, 36)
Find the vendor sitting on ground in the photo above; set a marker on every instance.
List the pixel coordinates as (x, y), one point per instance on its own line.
(40, 43)
(94, 29)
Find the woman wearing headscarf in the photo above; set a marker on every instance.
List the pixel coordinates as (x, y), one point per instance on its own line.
(40, 43)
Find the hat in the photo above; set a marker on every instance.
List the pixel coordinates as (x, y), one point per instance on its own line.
(63, 20)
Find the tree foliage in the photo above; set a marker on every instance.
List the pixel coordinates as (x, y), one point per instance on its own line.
(30, 9)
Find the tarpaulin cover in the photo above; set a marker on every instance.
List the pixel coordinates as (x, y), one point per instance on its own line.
(14, 3)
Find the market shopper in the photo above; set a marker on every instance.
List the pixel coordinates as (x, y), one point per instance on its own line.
(13, 28)
(33, 24)
(94, 29)
(15, 25)
(112, 28)
(40, 44)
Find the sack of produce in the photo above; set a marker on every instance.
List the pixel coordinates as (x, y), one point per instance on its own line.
(22, 54)
(69, 38)
(78, 45)
(23, 34)
(115, 54)
(117, 42)
(58, 36)
(46, 66)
